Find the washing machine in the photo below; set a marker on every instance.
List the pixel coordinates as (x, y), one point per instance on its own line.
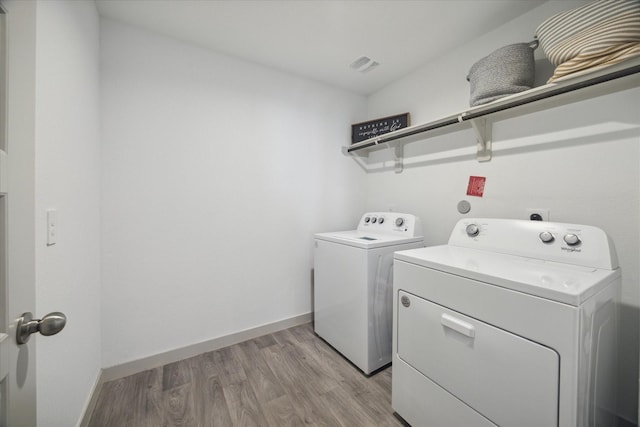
(353, 276)
(512, 323)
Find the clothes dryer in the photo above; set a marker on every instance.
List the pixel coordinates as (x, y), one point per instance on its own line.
(353, 272)
(512, 323)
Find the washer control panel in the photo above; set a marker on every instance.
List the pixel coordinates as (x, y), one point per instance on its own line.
(552, 241)
(391, 222)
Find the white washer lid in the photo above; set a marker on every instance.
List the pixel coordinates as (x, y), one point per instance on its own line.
(565, 283)
(366, 240)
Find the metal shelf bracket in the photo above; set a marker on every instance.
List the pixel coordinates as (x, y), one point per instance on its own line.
(357, 157)
(397, 149)
(398, 156)
(484, 135)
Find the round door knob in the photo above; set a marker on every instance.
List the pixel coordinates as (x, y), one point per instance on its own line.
(50, 324)
(546, 237)
(472, 230)
(571, 239)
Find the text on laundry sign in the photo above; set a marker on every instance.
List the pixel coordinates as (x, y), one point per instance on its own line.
(377, 127)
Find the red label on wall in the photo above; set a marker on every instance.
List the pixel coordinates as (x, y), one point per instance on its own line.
(476, 186)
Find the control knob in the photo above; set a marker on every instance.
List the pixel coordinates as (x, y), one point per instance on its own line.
(472, 230)
(373, 220)
(380, 220)
(367, 219)
(571, 239)
(399, 222)
(546, 237)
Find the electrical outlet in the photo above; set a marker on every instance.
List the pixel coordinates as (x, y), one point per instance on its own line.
(538, 214)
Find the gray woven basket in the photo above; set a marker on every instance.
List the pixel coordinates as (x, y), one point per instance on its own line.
(508, 70)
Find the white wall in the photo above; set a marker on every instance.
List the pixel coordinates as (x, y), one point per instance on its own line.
(582, 162)
(67, 153)
(216, 173)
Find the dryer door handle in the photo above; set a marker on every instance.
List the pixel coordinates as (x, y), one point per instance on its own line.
(460, 326)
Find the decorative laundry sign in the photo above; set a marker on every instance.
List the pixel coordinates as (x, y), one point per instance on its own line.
(377, 127)
(476, 186)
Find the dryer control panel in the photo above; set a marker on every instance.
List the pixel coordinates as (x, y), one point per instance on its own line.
(391, 223)
(576, 244)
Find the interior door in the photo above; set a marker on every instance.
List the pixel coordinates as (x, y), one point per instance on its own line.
(4, 337)
(17, 209)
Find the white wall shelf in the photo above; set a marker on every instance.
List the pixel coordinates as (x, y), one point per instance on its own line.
(611, 79)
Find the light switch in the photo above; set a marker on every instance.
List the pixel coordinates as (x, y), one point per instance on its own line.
(52, 227)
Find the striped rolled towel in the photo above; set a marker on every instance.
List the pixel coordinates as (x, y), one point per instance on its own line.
(597, 34)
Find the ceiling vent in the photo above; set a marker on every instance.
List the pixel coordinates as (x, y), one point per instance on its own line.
(364, 64)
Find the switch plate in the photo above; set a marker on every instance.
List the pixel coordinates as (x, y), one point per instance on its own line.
(52, 227)
(544, 213)
(3, 172)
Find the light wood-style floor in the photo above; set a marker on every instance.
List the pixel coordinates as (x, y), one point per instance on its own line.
(289, 378)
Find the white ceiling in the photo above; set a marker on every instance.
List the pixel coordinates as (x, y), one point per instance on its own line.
(319, 39)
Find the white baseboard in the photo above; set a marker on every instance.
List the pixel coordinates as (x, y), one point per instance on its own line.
(129, 368)
(90, 403)
(135, 366)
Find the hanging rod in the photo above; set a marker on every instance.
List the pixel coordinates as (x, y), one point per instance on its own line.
(548, 91)
(403, 133)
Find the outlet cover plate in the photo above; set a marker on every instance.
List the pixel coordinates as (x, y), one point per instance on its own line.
(544, 213)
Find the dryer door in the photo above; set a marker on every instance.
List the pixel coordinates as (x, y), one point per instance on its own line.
(508, 379)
